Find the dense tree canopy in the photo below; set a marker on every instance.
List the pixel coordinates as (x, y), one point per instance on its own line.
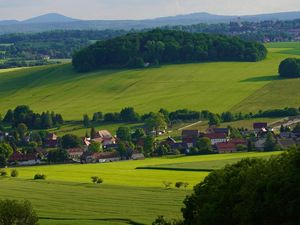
(290, 67)
(165, 46)
(16, 213)
(252, 191)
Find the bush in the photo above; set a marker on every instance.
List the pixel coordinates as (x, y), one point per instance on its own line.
(179, 184)
(14, 173)
(97, 180)
(39, 176)
(3, 173)
(167, 184)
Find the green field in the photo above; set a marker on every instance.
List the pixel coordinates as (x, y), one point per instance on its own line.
(127, 196)
(216, 86)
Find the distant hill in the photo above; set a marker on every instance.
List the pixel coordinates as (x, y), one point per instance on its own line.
(55, 21)
(50, 18)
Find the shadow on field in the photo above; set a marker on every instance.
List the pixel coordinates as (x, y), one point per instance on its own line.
(262, 78)
(125, 221)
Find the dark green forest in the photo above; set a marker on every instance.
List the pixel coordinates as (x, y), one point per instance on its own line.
(156, 47)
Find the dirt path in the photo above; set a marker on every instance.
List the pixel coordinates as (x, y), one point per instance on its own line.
(190, 125)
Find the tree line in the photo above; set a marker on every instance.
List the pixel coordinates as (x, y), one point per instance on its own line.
(24, 115)
(136, 50)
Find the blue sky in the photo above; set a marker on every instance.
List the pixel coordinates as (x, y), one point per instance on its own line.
(139, 9)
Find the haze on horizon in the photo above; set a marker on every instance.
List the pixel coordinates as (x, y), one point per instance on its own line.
(139, 9)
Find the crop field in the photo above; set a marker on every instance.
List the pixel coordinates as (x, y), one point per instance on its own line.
(127, 196)
(219, 86)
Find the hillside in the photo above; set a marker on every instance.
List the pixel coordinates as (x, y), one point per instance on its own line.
(217, 87)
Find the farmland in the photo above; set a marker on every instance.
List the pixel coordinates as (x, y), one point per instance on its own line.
(218, 87)
(127, 196)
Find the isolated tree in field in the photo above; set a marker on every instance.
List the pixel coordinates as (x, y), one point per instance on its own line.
(156, 122)
(124, 133)
(86, 120)
(290, 67)
(17, 213)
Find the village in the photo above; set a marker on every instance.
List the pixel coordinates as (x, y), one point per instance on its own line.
(104, 147)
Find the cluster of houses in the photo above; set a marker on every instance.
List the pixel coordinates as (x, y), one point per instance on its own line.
(220, 139)
(81, 154)
(222, 142)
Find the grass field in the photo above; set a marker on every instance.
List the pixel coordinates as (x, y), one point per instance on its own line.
(217, 87)
(127, 196)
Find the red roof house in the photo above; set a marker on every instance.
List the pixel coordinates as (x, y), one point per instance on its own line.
(226, 147)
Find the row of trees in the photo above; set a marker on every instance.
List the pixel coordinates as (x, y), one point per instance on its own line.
(165, 46)
(129, 115)
(23, 114)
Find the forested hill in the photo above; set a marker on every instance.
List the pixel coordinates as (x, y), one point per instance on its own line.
(155, 47)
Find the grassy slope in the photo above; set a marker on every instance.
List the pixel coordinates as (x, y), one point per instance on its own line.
(126, 193)
(277, 94)
(214, 86)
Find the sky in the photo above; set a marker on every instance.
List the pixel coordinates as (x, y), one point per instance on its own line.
(139, 9)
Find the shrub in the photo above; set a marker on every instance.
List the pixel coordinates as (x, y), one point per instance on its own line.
(97, 180)
(40, 176)
(3, 173)
(179, 184)
(14, 173)
(167, 184)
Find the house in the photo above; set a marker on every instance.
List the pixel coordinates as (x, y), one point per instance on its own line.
(24, 159)
(287, 135)
(216, 130)
(239, 141)
(189, 137)
(103, 157)
(226, 147)
(51, 141)
(104, 137)
(259, 126)
(75, 154)
(169, 141)
(217, 138)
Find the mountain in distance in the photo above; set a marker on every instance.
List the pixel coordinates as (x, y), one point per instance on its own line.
(50, 18)
(54, 21)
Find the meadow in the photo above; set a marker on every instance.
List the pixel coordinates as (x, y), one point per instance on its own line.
(127, 196)
(216, 86)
